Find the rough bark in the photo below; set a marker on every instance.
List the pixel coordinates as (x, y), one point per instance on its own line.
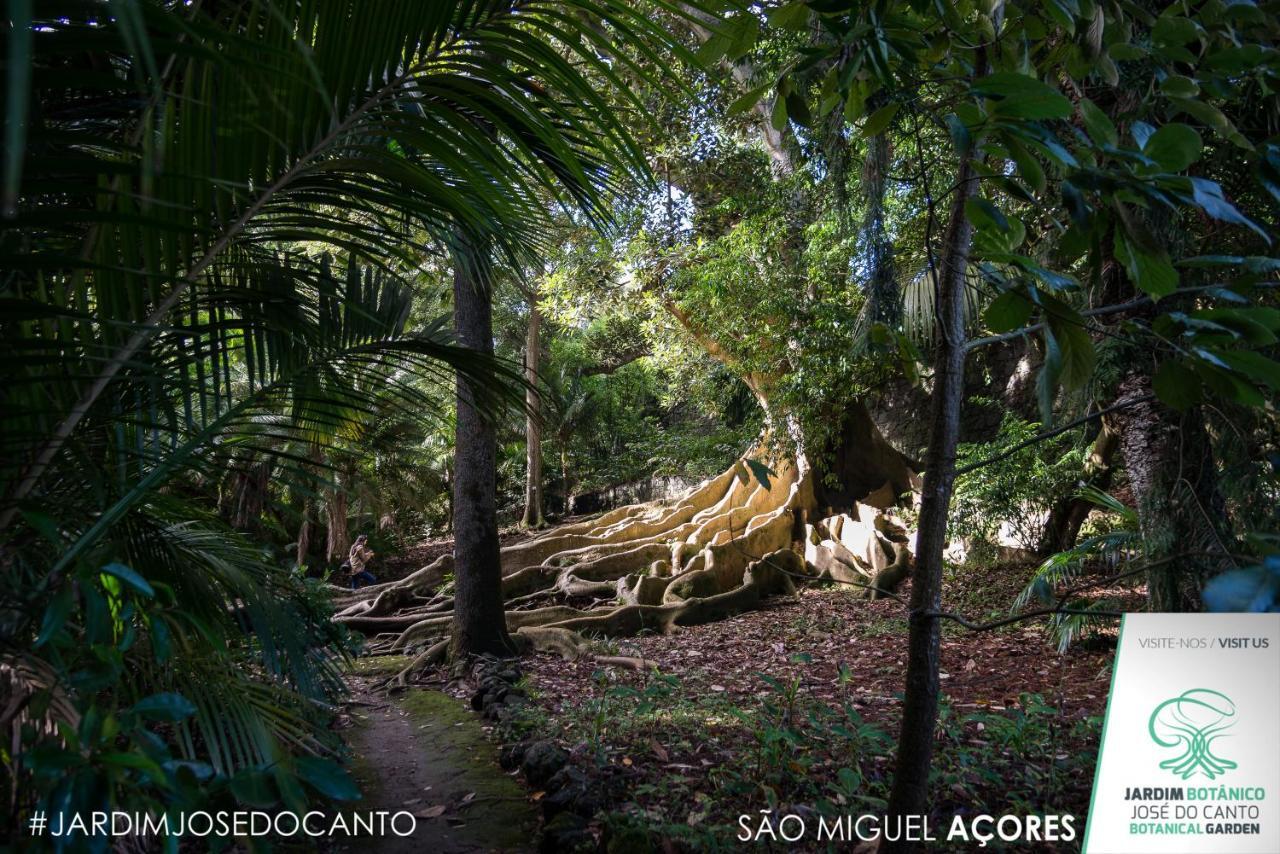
(910, 792)
(338, 538)
(566, 480)
(1173, 476)
(478, 625)
(883, 298)
(1167, 455)
(304, 537)
(249, 494)
(1168, 458)
(533, 421)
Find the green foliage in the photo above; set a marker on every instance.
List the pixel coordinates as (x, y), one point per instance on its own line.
(1117, 544)
(771, 287)
(623, 401)
(1253, 588)
(216, 220)
(1009, 500)
(147, 694)
(1089, 196)
(615, 701)
(787, 729)
(1027, 754)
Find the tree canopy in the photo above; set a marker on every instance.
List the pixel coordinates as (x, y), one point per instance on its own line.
(732, 298)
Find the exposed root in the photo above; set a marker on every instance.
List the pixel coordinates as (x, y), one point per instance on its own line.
(379, 600)
(432, 655)
(719, 550)
(568, 645)
(627, 661)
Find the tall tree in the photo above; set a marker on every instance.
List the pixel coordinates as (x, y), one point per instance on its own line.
(533, 495)
(479, 624)
(163, 249)
(910, 792)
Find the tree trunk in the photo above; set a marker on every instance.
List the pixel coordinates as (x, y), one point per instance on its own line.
(1172, 473)
(479, 624)
(567, 481)
(304, 537)
(883, 297)
(1169, 460)
(249, 495)
(532, 421)
(338, 543)
(910, 793)
(448, 519)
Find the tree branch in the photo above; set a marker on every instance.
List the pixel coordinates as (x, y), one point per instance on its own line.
(1049, 434)
(1036, 327)
(618, 360)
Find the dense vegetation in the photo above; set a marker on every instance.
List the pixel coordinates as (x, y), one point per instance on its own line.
(990, 283)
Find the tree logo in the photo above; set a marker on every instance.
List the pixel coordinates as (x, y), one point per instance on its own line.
(1192, 722)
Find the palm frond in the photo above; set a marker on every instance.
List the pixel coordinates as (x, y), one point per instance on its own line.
(1110, 549)
(918, 315)
(216, 219)
(373, 134)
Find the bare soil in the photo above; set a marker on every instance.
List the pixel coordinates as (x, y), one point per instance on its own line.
(420, 750)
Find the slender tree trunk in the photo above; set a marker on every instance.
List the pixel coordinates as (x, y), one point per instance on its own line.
(533, 421)
(338, 543)
(304, 537)
(479, 624)
(883, 298)
(910, 793)
(310, 512)
(567, 481)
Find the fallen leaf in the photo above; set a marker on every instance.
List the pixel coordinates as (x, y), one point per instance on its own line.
(659, 751)
(431, 812)
(626, 760)
(468, 797)
(537, 796)
(412, 801)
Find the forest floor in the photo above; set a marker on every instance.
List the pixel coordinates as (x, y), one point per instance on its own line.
(795, 707)
(421, 751)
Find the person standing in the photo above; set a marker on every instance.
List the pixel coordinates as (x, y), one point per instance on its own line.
(357, 562)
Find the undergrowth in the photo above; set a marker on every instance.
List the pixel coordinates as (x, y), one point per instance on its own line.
(792, 752)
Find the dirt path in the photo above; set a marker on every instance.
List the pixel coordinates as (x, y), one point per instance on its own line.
(421, 751)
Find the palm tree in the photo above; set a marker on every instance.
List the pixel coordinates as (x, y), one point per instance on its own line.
(177, 177)
(569, 401)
